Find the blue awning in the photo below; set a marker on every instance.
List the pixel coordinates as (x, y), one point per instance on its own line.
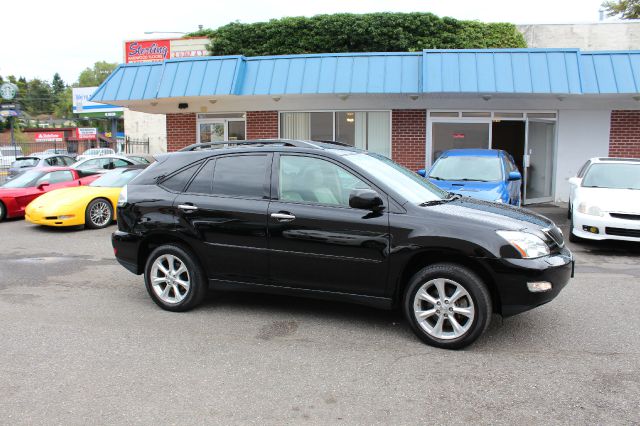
(511, 71)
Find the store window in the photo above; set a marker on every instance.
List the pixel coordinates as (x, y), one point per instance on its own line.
(458, 135)
(221, 127)
(370, 130)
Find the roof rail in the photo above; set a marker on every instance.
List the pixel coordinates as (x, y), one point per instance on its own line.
(332, 142)
(285, 142)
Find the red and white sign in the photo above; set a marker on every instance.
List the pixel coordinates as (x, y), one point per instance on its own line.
(458, 135)
(147, 51)
(49, 137)
(86, 132)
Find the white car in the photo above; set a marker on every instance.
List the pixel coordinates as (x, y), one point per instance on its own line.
(95, 152)
(103, 163)
(605, 200)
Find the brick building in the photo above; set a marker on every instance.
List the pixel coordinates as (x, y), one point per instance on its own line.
(552, 109)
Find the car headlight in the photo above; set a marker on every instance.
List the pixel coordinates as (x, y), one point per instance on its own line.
(590, 209)
(122, 198)
(528, 245)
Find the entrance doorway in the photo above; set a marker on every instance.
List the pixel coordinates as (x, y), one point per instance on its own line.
(528, 137)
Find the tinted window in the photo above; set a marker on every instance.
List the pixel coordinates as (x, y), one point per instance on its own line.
(53, 161)
(67, 161)
(308, 179)
(241, 176)
(201, 184)
(120, 163)
(178, 181)
(56, 177)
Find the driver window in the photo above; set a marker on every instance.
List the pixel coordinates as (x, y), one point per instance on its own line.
(60, 176)
(44, 178)
(312, 180)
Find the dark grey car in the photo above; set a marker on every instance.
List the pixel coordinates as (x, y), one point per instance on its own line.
(22, 164)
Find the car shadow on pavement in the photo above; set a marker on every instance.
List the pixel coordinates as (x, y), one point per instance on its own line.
(608, 247)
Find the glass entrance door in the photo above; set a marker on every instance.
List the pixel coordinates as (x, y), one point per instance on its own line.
(539, 161)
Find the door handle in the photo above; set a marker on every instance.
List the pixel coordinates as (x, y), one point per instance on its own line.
(187, 208)
(283, 217)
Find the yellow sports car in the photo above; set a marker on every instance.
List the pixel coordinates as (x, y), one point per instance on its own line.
(92, 205)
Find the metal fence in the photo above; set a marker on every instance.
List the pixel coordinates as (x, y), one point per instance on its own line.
(71, 147)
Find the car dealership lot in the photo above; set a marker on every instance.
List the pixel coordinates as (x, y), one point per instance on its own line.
(83, 342)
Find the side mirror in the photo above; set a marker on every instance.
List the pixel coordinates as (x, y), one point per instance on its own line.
(422, 172)
(576, 181)
(515, 176)
(42, 186)
(365, 199)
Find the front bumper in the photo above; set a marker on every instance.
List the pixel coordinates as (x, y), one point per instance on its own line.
(512, 275)
(39, 217)
(630, 229)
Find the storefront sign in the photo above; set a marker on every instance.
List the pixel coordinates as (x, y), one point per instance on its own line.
(147, 51)
(458, 135)
(49, 137)
(86, 132)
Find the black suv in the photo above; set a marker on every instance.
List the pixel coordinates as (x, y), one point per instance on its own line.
(328, 221)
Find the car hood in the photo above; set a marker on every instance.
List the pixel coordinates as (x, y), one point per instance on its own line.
(610, 200)
(489, 191)
(493, 215)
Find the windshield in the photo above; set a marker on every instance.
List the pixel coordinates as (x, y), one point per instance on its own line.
(404, 182)
(24, 180)
(478, 168)
(116, 179)
(25, 162)
(608, 175)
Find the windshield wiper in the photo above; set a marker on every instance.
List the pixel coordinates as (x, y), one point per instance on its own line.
(451, 196)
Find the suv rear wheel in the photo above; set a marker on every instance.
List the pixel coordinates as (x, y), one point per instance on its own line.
(447, 305)
(174, 280)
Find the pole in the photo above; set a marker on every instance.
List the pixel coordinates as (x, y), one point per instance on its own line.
(114, 130)
(13, 139)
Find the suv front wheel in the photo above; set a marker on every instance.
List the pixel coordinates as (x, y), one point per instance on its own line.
(174, 279)
(447, 305)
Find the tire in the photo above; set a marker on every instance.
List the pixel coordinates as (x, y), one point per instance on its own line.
(474, 305)
(572, 237)
(173, 295)
(3, 211)
(99, 214)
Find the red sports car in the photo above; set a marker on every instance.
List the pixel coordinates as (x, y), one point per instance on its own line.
(23, 189)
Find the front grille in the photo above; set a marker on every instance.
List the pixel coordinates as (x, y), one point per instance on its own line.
(625, 216)
(622, 232)
(556, 235)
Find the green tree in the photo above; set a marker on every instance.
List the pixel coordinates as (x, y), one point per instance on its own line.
(626, 9)
(96, 75)
(372, 32)
(38, 98)
(57, 85)
(64, 104)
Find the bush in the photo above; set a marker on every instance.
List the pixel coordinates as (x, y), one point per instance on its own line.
(373, 32)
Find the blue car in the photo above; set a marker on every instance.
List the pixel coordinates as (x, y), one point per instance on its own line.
(486, 174)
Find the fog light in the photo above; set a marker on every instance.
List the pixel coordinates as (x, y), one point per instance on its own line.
(539, 286)
(592, 229)
(69, 216)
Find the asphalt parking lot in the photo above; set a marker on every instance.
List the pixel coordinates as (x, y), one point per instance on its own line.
(81, 342)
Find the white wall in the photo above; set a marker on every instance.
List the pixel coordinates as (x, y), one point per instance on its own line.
(581, 135)
(598, 36)
(140, 125)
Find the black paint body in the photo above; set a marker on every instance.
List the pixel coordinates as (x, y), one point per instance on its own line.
(332, 252)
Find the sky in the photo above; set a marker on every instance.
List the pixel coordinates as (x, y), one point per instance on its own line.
(41, 37)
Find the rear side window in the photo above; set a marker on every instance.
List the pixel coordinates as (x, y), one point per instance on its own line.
(241, 176)
(178, 181)
(201, 184)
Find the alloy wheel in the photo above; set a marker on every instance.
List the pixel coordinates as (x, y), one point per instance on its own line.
(443, 308)
(170, 278)
(100, 213)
